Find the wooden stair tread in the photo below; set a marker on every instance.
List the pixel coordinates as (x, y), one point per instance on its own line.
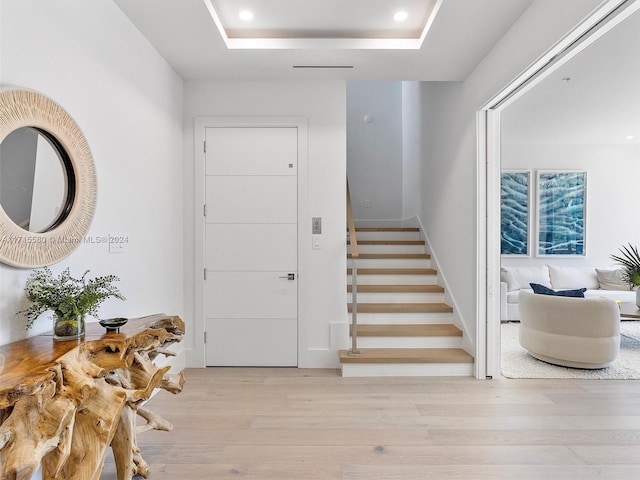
(387, 229)
(402, 308)
(397, 288)
(409, 330)
(394, 271)
(410, 280)
(392, 256)
(407, 355)
(388, 242)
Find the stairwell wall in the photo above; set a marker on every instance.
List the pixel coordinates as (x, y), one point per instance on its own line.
(374, 150)
(449, 148)
(411, 150)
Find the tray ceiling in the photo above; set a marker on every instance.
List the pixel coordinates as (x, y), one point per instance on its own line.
(329, 23)
(454, 34)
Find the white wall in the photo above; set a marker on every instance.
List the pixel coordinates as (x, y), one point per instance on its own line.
(374, 150)
(613, 172)
(384, 155)
(322, 296)
(411, 150)
(449, 152)
(89, 58)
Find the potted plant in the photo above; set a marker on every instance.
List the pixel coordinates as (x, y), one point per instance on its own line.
(629, 258)
(70, 299)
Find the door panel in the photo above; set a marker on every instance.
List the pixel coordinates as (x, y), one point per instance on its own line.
(252, 247)
(252, 151)
(268, 202)
(249, 338)
(250, 243)
(271, 295)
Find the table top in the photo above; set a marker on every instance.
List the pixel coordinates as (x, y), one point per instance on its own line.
(33, 355)
(629, 310)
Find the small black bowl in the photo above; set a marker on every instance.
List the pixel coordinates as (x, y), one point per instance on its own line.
(113, 324)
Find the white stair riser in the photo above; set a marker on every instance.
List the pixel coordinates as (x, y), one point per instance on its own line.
(391, 263)
(390, 297)
(409, 342)
(394, 279)
(384, 248)
(404, 369)
(407, 369)
(388, 236)
(401, 318)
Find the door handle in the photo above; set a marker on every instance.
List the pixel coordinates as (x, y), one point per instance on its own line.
(290, 276)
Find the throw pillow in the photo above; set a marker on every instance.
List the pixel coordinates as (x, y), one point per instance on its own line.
(519, 277)
(611, 280)
(507, 277)
(542, 290)
(567, 278)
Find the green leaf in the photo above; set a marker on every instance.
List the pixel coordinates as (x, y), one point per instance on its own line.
(629, 259)
(66, 295)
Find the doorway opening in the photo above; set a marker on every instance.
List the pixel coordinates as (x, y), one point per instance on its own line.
(490, 155)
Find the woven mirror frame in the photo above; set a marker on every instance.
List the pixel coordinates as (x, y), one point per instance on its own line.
(24, 249)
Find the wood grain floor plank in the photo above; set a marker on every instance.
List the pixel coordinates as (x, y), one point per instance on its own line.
(491, 472)
(264, 424)
(612, 455)
(535, 437)
(221, 471)
(416, 456)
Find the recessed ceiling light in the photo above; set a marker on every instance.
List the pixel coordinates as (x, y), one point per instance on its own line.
(400, 16)
(630, 137)
(246, 15)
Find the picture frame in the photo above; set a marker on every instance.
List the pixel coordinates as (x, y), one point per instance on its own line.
(561, 213)
(515, 213)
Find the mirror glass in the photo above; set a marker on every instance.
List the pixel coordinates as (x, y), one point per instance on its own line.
(35, 185)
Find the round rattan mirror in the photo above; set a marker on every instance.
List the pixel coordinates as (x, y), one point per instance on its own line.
(47, 181)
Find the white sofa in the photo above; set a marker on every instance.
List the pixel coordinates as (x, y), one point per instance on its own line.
(573, 332)
(605, 282)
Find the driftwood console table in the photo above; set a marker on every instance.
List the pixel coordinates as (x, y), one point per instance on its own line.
(62, 404)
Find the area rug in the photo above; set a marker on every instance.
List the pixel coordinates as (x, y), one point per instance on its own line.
(517, 363)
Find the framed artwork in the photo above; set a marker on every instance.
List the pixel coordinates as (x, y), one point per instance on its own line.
(562, 204)
(515, 212)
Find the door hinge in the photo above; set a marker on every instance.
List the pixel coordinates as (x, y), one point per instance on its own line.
(204, 210)
(205, 273)
(205, 337)
(204, 146)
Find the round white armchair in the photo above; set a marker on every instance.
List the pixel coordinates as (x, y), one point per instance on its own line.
(573, 332)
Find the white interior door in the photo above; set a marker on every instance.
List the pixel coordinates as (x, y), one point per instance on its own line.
(251, 294)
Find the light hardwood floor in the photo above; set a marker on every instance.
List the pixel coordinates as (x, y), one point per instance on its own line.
(282, 424)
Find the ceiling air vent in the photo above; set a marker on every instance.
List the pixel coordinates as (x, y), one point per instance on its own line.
(323, 66)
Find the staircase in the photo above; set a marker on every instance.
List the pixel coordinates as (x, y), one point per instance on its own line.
(404, 328)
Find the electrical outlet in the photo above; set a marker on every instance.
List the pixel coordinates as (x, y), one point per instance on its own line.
(367, 204)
